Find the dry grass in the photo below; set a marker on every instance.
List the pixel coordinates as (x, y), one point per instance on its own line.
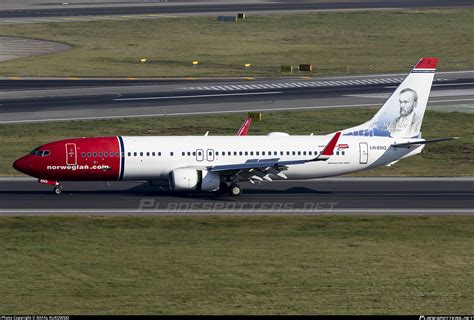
(453, 158)
(275, 265)
(389, 41)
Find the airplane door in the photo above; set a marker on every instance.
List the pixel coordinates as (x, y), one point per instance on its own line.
(199, 154)
(71, 154)
(210, 154)
(363, 152)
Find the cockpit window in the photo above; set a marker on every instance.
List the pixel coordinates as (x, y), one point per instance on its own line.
(41, 153)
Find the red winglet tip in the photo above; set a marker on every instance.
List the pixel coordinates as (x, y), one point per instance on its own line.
(243, 131)
(328, 151)
(427, 63)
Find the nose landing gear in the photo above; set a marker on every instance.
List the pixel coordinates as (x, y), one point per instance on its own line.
(58, 188)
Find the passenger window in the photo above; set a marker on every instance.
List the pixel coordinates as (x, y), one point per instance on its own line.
(246, 153)
(310, 153)
(129, 154)
(288, 153)
(89, 154)
(183, 153)
(229, 153)
(134, 154)
(106, 154)
(95, 154)
(141, 154)
(147, 154)
(83, 154)
(189, 153)
(100, 154)
(171, 153)
(117, 154)
(251, 153)
(293, 153)
(153, 154)
(194, 153)
(159, 154)
(46, 153)
(281, 153)
(304, 153)
(299, 153)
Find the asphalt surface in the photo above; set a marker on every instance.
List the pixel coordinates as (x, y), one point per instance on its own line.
(50, 100)
(426, 196)
(233, 7)
(14, 48)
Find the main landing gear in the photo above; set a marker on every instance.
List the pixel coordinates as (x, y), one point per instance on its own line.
(233, 189)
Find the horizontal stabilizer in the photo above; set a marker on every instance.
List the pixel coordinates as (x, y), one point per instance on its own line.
(421, 142)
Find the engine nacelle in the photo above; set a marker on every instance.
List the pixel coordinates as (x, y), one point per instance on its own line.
(188, 179)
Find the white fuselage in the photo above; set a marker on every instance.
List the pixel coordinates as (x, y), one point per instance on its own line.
(152, 158)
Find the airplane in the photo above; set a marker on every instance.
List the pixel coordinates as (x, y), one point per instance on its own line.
(219, 163)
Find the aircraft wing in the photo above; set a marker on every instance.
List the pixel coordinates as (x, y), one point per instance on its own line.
(420, 142)
(260, 170)
(244, 129)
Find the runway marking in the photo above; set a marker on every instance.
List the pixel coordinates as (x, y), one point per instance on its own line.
(199, 96)
(206, 112)
(304, 84)
(441, 84)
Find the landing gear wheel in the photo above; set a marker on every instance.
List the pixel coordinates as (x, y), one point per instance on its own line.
(235, 190)
(58, 190)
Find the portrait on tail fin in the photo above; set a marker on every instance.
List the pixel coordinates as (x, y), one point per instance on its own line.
(408, 123)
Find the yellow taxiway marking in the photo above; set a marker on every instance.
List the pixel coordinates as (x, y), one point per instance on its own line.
(74, 78)
(131, 78)
(248, 78)
(14, 78)
(189, 78)
(307, 78)
(78, 19)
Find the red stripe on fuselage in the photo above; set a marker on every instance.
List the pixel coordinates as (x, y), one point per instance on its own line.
(97, 159)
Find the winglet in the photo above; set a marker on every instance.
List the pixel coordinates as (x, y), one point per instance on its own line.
(245, 127)
(329, 148)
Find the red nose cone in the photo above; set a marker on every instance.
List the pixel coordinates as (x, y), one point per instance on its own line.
(23, 165)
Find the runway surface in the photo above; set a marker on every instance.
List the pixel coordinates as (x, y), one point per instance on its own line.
(170, 8)
(52, 100)
(345, 196)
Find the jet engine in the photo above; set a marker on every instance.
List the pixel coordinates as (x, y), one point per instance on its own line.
(189, 179)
